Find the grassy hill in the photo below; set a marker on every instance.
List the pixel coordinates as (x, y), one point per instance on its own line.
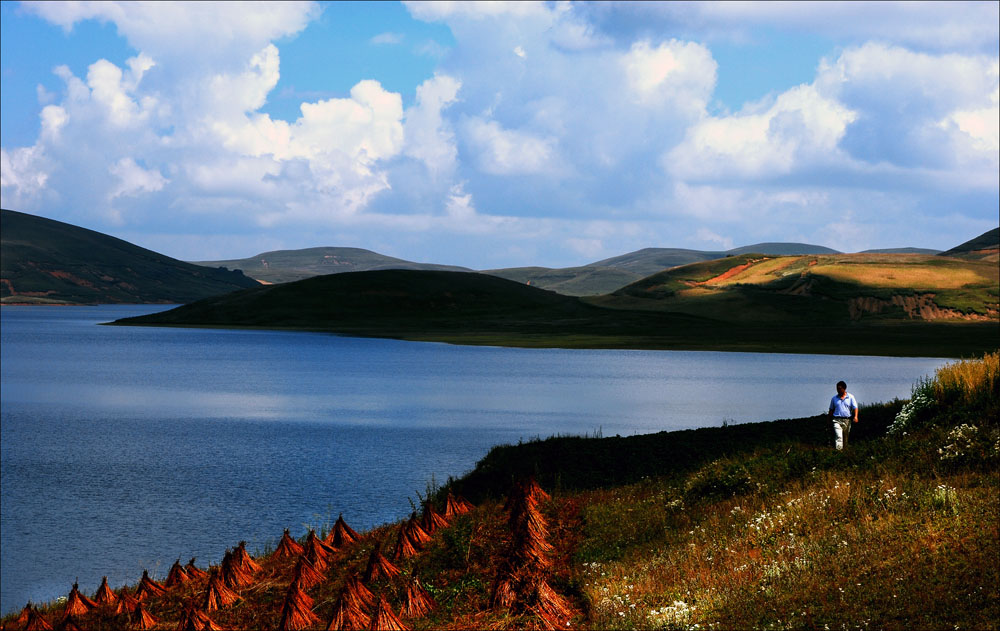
(823, 289)
(985, 247)
(282, 266)
(757, 526)
(469, 308)
(50, 262)
(607, 275)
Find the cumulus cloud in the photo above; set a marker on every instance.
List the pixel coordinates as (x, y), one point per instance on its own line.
(429, 138)
(799, 129)
(502, 151)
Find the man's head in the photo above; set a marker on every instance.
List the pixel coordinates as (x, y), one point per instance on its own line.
(841, 387)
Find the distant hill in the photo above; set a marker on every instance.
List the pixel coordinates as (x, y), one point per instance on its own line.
(392, 300)
(51, 262)
(823, 289)
(984, 247)
(901, 251)
(607, 275)
(283, 266)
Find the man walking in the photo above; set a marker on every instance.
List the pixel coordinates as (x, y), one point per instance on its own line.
(843, 408)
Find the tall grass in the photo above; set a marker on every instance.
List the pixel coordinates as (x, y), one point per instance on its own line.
(973, 382)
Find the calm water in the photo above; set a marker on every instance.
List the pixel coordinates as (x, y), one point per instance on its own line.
(126, 448)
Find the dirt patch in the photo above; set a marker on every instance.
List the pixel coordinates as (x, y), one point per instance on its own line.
(919, 307)
(76, 280)
(733, 271)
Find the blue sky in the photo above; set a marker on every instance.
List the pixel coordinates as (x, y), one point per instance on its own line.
(498, 135)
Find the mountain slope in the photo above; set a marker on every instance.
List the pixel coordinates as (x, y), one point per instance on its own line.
(820, 289)
(984, 247)
(51, 262)
(607, 275)
(282, 266)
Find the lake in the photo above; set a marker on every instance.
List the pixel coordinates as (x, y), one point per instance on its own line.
(126, 448)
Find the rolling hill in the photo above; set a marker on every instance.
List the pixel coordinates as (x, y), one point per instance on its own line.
(607, 275)
(51, 262)
(985, 247)
(471, 308)
(283, 266)
(821, 289)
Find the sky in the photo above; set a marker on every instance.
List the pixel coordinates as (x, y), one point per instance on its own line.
(494, 135)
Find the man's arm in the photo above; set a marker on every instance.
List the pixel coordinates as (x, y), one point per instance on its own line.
(855, 401)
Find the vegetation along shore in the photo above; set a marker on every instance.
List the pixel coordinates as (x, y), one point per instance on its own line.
(759, 525)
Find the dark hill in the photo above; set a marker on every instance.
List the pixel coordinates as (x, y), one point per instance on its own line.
(51, 262)
(781, 249)
(392, 301)
(283, 266)
(986, 246)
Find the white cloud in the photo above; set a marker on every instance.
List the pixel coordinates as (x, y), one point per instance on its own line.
(799, 129)
(133, 179)
(502, 151)
(387, 39)
(706, 235)
(682, 72)
(428, 137)
(212, 33)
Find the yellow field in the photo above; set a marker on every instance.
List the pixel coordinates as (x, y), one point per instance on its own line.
(900, 276)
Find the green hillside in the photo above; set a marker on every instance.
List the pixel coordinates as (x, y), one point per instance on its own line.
(50, 262)
(283, 266)
(605, 276)
(985, 247)
(823, 289)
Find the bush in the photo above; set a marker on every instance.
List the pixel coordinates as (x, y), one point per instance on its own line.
(718, 480)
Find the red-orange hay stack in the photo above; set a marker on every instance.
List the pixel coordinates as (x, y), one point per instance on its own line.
(342, 534)
(360, 594)
(317, 552)
(379, 566)
(454, 506)
(36, 621)
(22, 618)
(244, 559)
(404, 548)
(218, 595)
(353, 609)
(288, 547)
(148, 588)
(177, 575)
(432, 519)
(127, 603)
(521, 583)
(305, 575)
(195, 620)
(384, 619)
(193, 571)
(105, 597)
(297, 611)
(418, 536)
(234, 574)
(142, 619)
(418, 601)
(77, 604)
